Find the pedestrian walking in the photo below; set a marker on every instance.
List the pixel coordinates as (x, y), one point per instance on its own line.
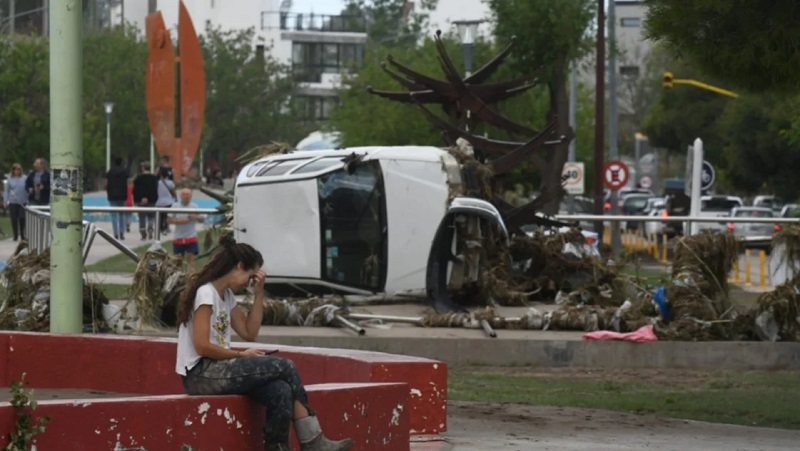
(166, 197)
(145, 195)
(38, 183)
(117, 193)
(15, 197)
(185, 242)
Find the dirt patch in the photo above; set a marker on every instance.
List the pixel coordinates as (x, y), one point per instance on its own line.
(474, 426)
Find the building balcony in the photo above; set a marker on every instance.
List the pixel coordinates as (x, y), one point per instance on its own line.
(325, 23)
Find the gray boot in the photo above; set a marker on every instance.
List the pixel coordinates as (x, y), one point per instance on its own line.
(311, 438)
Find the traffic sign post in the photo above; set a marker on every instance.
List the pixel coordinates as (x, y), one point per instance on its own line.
(574, 180)
(615, 175)
(646, 182)
(707, 176)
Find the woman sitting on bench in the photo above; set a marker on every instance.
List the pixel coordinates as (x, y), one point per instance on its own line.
(206, 313)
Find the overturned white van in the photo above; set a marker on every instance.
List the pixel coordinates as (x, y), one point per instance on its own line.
(366, 220)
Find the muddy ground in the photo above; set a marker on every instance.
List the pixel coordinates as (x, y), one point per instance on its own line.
(483, 426)
(477, 426)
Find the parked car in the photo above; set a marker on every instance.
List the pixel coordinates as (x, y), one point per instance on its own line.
(754, 234)
(656, 207)
(790, 211)
(622, 193)
(717, 207)
(361, 221)
(634, 205)
(770, 202)
(656, 227)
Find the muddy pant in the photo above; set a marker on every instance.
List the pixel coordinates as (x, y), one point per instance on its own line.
(271, 381)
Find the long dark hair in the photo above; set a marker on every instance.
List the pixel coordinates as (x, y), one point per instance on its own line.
(229, 254)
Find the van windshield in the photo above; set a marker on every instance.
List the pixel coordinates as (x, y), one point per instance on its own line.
(353, 226)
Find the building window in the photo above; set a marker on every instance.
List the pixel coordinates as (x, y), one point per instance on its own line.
(631, 22)
(312, 59)
(629, 71)
(315, 108)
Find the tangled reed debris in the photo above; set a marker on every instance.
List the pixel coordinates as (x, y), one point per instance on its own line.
(25, 285)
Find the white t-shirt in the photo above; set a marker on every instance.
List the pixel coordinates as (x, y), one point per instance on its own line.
(219, 332)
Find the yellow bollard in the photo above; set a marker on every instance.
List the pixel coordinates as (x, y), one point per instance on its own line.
(747, 267)
(654, 244)
(664, 248)
(736, 269)
(762, 270)
(606, 234)
(638, 238)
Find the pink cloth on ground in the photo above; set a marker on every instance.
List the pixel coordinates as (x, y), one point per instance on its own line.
(644, 333)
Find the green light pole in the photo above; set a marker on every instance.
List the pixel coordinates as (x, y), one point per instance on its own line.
(66, 159)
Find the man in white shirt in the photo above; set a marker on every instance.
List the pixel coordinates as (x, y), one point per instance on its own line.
(185, 241)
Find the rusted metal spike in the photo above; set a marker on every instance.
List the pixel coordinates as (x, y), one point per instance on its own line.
(160, 84)
(488, 69)
(160, 89)
(193, 92)
(509, 161)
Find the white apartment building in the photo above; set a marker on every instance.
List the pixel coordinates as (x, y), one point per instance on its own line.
(630, 37)
(449, 11)
(318, 48)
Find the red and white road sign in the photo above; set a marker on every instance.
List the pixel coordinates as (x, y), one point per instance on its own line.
(615, 175)
(646, 181)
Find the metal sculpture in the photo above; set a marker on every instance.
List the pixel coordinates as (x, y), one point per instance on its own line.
(160, 90)
(466, 102)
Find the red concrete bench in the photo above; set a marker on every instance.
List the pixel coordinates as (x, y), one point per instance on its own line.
(374, 415)
(146, 366)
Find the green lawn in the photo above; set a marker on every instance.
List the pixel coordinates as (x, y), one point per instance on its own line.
(115, 291)
(120, 263)
(753, 398)
(5, 228)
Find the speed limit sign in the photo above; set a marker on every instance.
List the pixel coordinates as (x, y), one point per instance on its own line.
(573, 178)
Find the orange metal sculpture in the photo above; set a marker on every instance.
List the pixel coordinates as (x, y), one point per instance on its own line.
(160, 90)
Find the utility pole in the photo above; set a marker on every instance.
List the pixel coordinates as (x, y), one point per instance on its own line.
(11, 15)
(573, 86)
(66, 156)
(616, 241)
(599, 111)
(45, 18)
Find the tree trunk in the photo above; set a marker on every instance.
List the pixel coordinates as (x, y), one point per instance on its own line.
(557, 154)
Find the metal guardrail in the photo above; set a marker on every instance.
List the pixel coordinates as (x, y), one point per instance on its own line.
(37, 226)
(624, 218)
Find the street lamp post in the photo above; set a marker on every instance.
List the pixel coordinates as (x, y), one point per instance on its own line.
(467, 31)
(109, 109)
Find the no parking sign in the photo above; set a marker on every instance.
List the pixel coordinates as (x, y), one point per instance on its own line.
(615, 175)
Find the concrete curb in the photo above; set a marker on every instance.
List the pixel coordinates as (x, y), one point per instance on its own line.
(456, 351)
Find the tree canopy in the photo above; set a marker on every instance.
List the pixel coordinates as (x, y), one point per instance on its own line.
(248, 97)
(549, 35)
(754, 44)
